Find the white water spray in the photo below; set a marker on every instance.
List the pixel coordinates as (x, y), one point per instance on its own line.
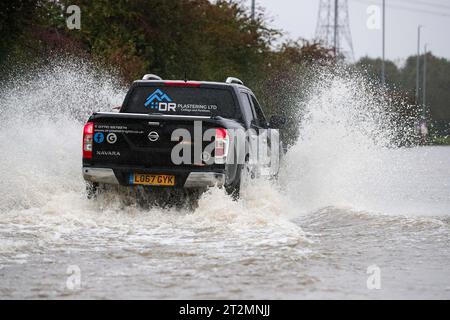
(346, 155)
(343, 156)
(40, 133)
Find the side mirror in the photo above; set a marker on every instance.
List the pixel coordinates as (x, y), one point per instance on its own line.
(277, 122)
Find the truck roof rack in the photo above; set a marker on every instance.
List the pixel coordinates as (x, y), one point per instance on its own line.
(234, 80)
(150, 76)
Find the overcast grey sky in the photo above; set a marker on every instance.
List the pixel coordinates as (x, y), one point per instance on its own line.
(299, 17)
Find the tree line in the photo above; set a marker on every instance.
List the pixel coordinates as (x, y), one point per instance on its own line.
(403, 79)
(199, 39)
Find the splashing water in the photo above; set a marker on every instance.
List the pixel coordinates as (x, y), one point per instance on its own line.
(42, 116)
(280, 241)
(346, 156)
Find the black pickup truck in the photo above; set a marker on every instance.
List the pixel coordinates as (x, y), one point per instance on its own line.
(181, 135)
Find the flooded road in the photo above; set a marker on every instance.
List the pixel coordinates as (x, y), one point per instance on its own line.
(348, 217)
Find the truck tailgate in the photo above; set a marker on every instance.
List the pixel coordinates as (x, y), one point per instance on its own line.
(140, 139)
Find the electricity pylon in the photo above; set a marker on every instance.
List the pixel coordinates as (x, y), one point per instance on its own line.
(333, 28)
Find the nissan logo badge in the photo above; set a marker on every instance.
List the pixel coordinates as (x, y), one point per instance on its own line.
(153, 136)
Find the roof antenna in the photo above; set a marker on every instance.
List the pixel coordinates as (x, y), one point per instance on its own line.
(185, 76)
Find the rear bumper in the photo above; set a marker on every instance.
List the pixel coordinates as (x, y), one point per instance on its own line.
(100, 175)
(204, 179)
(193, 180)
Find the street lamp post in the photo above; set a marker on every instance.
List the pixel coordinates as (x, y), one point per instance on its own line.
(253, 11)
(336, 30)
(418, 64)
(424, 85)
(383, 31)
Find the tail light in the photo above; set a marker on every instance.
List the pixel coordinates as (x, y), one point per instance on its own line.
(221, 145)
(88, 133)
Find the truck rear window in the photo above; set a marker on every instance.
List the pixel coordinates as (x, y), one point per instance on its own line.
(190, 101)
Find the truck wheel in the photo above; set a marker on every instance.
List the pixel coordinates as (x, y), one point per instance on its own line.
(246, 175)
(91, 189)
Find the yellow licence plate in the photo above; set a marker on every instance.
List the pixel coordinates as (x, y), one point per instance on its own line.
(153, 179)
